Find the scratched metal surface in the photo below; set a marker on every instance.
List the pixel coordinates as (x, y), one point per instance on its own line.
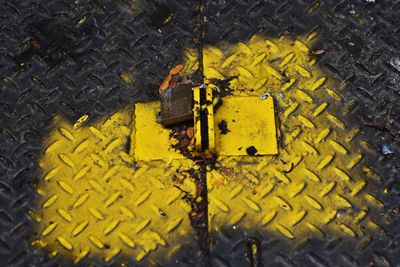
(96, 57)
(361, 42)
(75, 58)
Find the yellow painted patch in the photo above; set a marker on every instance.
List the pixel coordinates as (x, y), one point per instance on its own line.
(151, 140)
(196, 118)
(250, 122)
(95, 200)
(315, 185)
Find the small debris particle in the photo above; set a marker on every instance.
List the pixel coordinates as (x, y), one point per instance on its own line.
(226, 171)
(198, 215)
(387, 149)
(190, 132)
(162, 213)
(161, 17)
(251, 150)
(220, 181)
(81, 21)
(176, 70)
(223, 127)
(265, 96)
(126, 79)
(169, 81)
(318, 51)
(395, 62)
(165, 84)
(179, 178)
(184, 143)
(199, 189)
(35, 44)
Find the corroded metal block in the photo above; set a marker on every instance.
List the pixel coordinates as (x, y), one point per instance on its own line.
(176, 104)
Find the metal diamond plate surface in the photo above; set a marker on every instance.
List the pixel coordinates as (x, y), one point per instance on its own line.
(73, 194)
(88, 60)
(330, 197)
(97, 201)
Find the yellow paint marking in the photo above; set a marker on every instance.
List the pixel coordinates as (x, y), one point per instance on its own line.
(111, 226)
(98, 203)
(322, 135)
(127, 240)
(259, 59)
(354, 161)
(49, 229)
(81, 173)
(273, 72)
(152, 141)
(320, 109)
(82, 146)
(310, 174)
(316, 230)
(302, 46)
(308, 192)
(269, 216)
(286, 86)
(302, 71)
(210, 118)
(244, 131)
(96, 213)
(102, 202)
(314, 203)
(327, 189)
(358, 188)
(66, 160)
(66, 187)
(251, 204)
(284, 231)
(50, 201)
(51, 174)
(95, 241)
(298, 217)
(228, 61)
(338, 147)
(81, 120)
(65, 214)
(81, 200)
(334, 95)
(79, 228)
(67, 134)
(360, 216)
(286, 60)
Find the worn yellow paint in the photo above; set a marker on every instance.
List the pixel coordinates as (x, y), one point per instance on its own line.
(151, 139)
(96, 201)
(250, 122)
(210, 118)
(317, 183)
(196, 118)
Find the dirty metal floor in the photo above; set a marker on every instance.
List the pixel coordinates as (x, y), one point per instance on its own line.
(67, 59)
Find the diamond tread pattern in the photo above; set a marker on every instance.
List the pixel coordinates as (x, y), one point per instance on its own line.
(74, 58)
(360, 42)
(71, 58)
